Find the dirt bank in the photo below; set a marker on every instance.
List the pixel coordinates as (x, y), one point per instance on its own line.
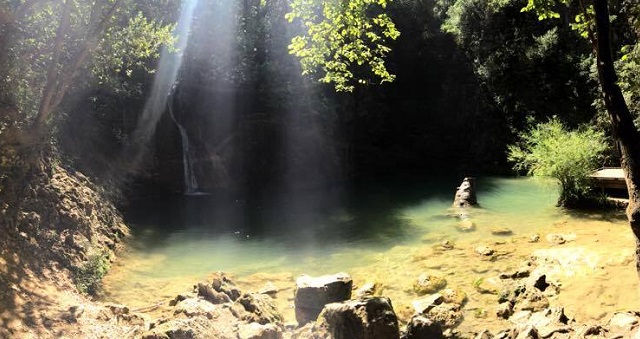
(59, 234)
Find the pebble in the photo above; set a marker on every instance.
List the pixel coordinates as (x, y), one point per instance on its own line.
(501, 231)
(484, 250)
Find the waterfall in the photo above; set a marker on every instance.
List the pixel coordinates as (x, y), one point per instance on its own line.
(190, 180)
(163, 87)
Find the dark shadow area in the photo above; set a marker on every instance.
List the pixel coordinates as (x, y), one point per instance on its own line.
(609, 214)
(360, 213)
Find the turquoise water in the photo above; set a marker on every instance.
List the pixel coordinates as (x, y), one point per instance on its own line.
(181, 240)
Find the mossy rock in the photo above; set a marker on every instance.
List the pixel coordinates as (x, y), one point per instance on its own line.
(427, 284)
(454, 296)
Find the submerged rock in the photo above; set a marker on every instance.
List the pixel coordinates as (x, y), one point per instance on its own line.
(559, 239)
(369, 318)
(501, 231)
(466, 225)
(313, 293)
(484, 250)
(522, 272)
(454, 296)
(490, 285)
(427, 284)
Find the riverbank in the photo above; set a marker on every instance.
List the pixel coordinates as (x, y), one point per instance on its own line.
(576, 286)
(62, 232)
(588, 257)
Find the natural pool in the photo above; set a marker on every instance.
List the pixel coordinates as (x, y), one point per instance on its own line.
(383, 234)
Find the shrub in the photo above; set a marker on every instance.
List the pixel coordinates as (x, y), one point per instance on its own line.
(549, 149)
(89, 276)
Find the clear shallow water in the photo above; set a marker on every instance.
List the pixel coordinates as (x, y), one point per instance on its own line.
(181, 240)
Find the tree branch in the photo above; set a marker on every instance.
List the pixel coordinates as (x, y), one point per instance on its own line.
(49, 90)
(90, 43)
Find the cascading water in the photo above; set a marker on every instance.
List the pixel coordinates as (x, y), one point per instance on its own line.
(163, 85)
(190, 180)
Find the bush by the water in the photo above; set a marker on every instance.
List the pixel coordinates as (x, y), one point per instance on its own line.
(550, 149)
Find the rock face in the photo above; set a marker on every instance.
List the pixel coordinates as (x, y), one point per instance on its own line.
(313, 293)
(466, 194)
(210, 312)
(369, 318)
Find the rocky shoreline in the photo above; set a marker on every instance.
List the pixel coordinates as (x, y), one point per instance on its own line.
(62, 232)
(332, 307)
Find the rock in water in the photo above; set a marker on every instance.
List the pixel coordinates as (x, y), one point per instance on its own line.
(312, 293)
(369, 318)
(466, 194)
(427, 284)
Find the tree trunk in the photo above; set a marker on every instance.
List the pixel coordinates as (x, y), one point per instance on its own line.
(624, 130)
(52, 73)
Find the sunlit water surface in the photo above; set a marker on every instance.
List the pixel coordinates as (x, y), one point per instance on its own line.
(383, 234)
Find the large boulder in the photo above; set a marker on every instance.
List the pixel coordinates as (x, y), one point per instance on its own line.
(466, 194)
(369, 318)
(313, 293)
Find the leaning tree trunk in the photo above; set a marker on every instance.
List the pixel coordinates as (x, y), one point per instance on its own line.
(624, 130)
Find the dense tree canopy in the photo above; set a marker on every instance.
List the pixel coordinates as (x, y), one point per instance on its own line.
(459, 83)
(49, 44)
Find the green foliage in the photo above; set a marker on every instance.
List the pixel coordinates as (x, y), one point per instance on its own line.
(124, 49)
(344, 39)
(628, 66)
(105, 40)
(548, 9)
(528, 68)
(545, 9)
(550, 150)
(89, 276)
(583, 22)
